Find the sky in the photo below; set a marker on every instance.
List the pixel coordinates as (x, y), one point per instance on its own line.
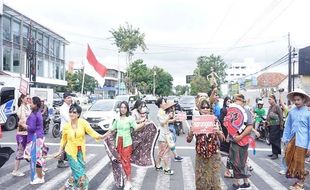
(177, 32)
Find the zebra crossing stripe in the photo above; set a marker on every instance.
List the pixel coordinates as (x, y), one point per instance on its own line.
(97, 167)
(107, 183)
(163, 181)
(271, 181)
(51, 184)
(188, 174)
(137, 180)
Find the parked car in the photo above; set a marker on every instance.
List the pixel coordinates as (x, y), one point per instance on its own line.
(102, 114)
(131, 99)
(79, 98)
(150, 99)
(57, 100)
(94, 97)
(188, 105)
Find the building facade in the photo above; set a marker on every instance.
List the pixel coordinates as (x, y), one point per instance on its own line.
(17, 29)
(241, 70)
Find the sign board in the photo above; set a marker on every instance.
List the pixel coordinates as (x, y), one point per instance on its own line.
(181, 116)
(203, 124)
(24, 85)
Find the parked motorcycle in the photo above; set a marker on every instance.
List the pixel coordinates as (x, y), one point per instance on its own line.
(46, 124)
(56, 124)
(263, 131)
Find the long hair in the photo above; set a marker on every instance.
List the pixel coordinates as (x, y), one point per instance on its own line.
(225, 101)
(137, 104)
(20, 100)
(127, 106)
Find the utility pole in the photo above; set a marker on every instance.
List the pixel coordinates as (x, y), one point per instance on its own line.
(289, 66)
(83, 77)
(154, 82)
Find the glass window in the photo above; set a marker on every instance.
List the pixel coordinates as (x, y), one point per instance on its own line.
(6, 28)
(51, 69)
(61, 51)
(7, 59)
(51, 49)
(57, 48)
(242, 67)
(40, 43)
(45, 44)
(25, 35)
(16, 32)
(45, 68)
(62, 71)
(16, 61)
(57, 71)
(40, 67)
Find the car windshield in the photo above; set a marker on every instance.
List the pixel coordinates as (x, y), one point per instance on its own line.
(188, 100)
(102, 106)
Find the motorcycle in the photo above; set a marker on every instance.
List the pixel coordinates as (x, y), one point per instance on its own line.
(263, 131)
(56, 124)
(46, 124)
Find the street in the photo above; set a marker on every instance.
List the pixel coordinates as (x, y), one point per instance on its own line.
(265, 175)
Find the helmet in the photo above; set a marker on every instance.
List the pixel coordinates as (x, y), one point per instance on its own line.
(260, 102)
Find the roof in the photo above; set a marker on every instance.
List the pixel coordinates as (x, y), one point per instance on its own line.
(270, 79)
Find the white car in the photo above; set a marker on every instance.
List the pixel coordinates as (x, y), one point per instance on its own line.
(102, 114)
(79, 99)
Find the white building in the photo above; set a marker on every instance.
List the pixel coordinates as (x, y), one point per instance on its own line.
(240, 70)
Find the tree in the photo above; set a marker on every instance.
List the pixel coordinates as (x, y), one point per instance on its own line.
(75, 82)
(204, 64)
(128, 39)
(163, 82)
(180, 90)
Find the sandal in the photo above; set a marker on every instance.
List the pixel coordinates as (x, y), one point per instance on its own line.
(228, 175)
(297, 186)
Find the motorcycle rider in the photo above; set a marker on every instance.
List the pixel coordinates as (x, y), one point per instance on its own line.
(260, 113)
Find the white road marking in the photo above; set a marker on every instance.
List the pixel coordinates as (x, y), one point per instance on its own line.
(188, 174)
(137, 180)
(107, 183)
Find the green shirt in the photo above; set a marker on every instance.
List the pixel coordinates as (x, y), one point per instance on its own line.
(122, 127)
(259, 114)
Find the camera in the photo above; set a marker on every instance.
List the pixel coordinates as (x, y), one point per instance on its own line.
(281, 90)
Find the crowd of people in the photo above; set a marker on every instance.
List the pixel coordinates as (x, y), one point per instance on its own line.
(130, 140)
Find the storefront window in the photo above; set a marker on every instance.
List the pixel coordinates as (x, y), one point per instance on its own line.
(16, 32)
(7, 59)
(16, 61)
(6, 28)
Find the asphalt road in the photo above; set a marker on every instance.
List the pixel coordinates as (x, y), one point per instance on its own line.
(265, 175)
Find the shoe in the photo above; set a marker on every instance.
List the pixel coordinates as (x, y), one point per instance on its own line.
(274, 157)
(37, 181)
(45, 169)
(168, 172)
(270, 155)
(158, 168)
(62, 165)
(296, 186)
(178, 159)
(282, 172)
(245, 186)
(250, 168)
(17, 173)
(235, 187)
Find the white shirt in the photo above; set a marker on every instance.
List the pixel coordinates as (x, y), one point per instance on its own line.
(64, 114)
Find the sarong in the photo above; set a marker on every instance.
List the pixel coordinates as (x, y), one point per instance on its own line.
(238, 156)
(78, 180)
(21, 145)
(143, 145)
(295, 160)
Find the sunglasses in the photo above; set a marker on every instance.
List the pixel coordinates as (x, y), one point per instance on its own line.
(73, 112)
(204, 107)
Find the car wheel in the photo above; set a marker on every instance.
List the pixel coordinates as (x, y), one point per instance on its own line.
(10, 123)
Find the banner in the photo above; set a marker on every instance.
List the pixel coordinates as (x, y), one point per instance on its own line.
(23, 87)
(180, 116)
(203, 124)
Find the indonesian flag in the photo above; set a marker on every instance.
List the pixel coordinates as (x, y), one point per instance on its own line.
(98, 67)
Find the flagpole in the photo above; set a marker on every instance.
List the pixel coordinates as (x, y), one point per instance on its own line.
(83, 79)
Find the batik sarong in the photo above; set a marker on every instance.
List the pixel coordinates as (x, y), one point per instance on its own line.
(78, 180)
(143, 144)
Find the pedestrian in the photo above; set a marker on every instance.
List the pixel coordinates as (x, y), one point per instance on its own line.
(139, 111)
(73, 143)
(65, 118)
(274, 123)
(239, 123)
(208, 159)
(123, 126)
(35, 150)
(297, 137)
(22, 112)
(165, 139)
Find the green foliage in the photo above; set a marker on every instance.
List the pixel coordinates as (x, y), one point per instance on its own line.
(128, 39)
(181, 90)
(204, 64)
(142, 77)
(75, 82)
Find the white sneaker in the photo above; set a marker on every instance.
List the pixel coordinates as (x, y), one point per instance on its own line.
(37, 181)
(17, 173)
(282, 172)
